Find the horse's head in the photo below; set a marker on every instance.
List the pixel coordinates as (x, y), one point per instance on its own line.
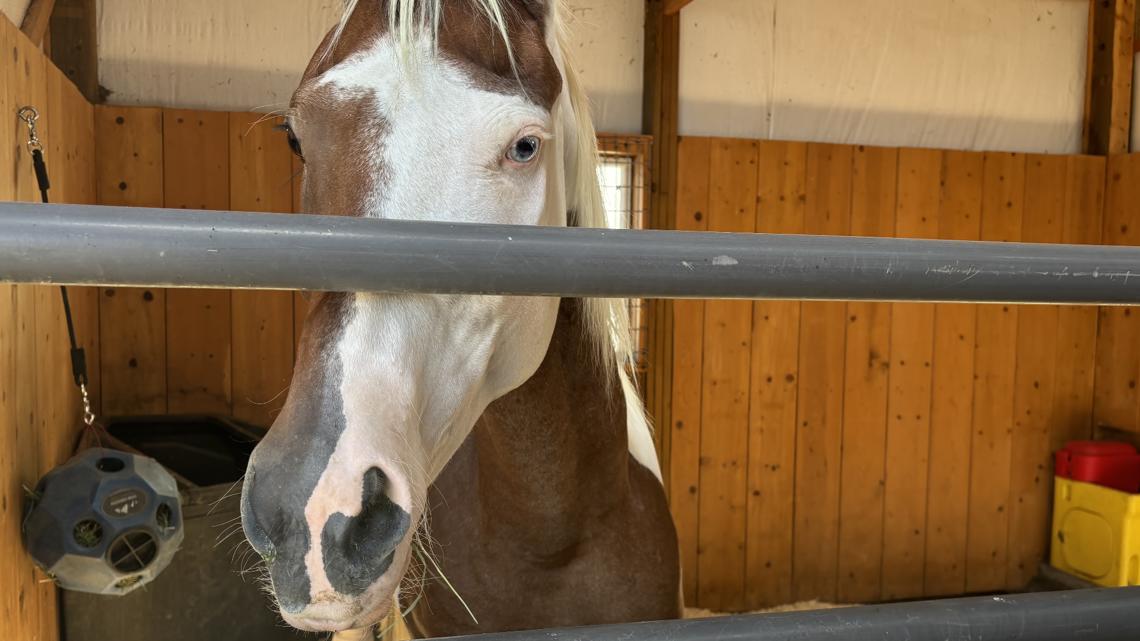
(448, 110)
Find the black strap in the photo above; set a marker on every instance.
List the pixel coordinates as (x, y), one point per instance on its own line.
(78, 357)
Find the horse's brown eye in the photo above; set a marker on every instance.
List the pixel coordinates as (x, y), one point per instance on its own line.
(294, 142)
(524, 150)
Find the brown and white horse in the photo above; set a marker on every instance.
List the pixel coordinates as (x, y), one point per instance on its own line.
(549, 509)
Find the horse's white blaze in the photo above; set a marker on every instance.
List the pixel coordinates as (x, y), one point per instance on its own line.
(360, 448)
(442, 159)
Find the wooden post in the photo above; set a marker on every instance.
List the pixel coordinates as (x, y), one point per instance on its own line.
(35, 24)
(673, 7)
(1108, 104)
(75, 50)
(659, 119)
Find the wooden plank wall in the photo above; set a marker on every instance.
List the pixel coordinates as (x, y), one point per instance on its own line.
(195, 351)
(1117, 366)
(866, 451)
(39, 406)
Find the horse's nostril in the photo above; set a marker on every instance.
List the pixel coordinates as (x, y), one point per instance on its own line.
(359, 549)
(375, 485)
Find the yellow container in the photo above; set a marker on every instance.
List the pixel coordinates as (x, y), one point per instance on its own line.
(1096, 533)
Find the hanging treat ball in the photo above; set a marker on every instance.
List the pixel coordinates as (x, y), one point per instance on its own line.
(105, 522)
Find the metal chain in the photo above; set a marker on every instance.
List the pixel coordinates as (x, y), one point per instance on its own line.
(30, 115)
(88, 414)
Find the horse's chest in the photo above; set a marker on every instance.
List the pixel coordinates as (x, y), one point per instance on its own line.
(619, 567)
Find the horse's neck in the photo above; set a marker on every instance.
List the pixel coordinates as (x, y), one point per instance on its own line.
(553, 453)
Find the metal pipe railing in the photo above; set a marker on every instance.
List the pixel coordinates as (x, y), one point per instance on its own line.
(114, 246)
(1087, 615)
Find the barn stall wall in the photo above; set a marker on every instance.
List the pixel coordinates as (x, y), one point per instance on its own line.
(189, 351)
(870, 451)
(39, 406)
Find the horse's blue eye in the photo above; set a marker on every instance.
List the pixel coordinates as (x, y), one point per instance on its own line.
(524, 150)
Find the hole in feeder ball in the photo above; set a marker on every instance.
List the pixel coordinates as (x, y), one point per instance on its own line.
(88, 533)
(109, 465)
(132, 552)
(164, 516)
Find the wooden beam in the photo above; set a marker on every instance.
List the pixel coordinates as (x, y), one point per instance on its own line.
(1108, 117)
(659, 119)
(36, 20)
(75, 47)
(673, 7)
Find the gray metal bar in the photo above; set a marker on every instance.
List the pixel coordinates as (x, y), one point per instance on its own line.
(176, 248)
(1087, 615)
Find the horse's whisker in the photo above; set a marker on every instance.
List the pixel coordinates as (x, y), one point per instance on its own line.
(226, 495)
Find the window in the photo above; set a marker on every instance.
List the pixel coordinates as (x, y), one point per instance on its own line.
(624, 175)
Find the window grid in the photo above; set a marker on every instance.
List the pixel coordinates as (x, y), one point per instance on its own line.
(624, 174)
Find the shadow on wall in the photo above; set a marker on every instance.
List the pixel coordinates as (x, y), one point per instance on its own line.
(885, 128)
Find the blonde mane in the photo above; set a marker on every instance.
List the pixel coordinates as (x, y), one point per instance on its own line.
(409, 20)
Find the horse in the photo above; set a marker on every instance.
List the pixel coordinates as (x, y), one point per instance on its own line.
(504, 430)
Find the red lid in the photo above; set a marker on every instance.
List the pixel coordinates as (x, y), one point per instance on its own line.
(1100, 448)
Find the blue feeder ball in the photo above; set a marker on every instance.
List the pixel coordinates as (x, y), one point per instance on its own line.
(105, 522)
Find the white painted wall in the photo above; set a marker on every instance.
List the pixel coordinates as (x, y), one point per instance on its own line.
(609, 52)
(14, 10)
(966, 74)
(249, 54)
(970, 74)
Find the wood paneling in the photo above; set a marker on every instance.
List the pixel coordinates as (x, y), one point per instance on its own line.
(195, 351)
(893, 450)
(1033, 387)
(865, 396)
(1117, 368)
(911, 378)
(952, 396)
(1077, 344)
(39, 405)
(261, 170)
(995, 360)
(11, 583)
(782, 188)
(819, 403)
(724, 393)
(198, 333)
(688, 352)
(129, 164)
